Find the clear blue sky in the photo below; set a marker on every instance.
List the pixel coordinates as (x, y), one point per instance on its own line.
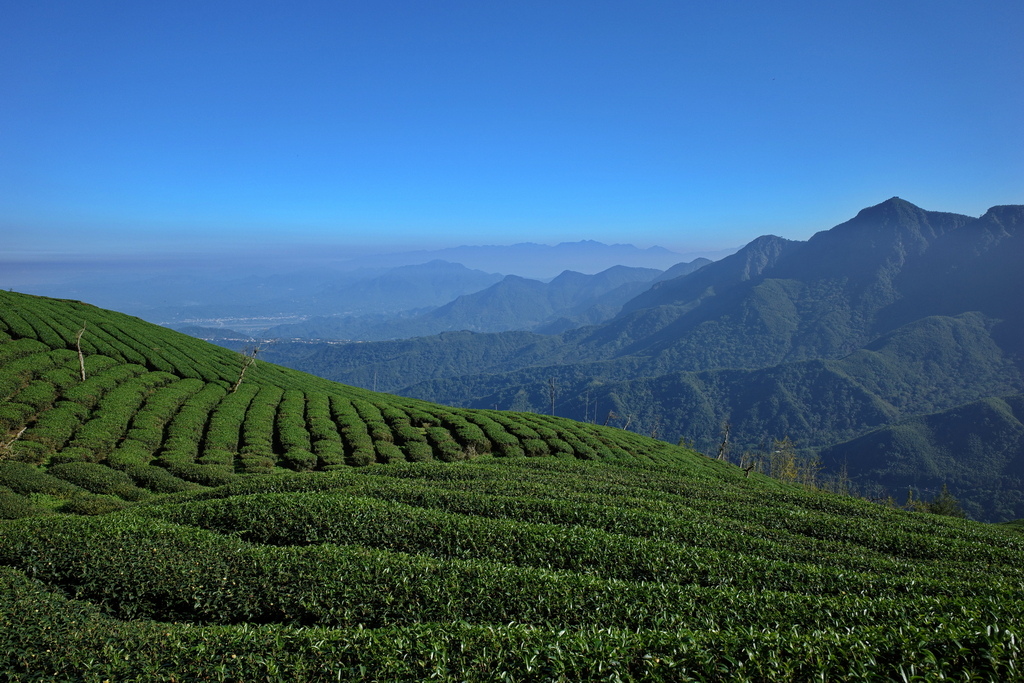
(172, 126)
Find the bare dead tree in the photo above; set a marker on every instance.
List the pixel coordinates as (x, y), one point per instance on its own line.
(723, 448)
(78, 344)
(247, 360)
(746, 470)
(552, 390)
(611, 416)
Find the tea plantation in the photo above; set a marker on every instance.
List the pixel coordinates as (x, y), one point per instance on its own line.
(162, 520)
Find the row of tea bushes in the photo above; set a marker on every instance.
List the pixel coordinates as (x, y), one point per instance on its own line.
(314, 518)
(147, 569)
(46, 636)
(127, 415)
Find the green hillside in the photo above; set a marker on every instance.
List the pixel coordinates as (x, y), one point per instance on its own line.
(163, 526)
(159, 411)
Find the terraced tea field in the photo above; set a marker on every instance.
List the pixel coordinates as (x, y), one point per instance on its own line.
(161, 412)
(165, 522)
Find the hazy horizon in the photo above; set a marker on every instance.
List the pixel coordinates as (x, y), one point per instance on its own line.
(42, 271)
(134, 129)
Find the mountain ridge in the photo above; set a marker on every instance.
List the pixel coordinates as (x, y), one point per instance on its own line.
(872, 281)
(570, 300)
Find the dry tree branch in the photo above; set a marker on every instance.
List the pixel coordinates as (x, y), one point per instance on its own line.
(6, 447)
(247, 360)
(78, 343)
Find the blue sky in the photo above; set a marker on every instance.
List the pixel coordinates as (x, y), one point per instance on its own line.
(170, 127)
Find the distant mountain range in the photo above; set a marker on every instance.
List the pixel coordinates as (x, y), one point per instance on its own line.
(514, 303)
(882, 328)
(253, 294)
(542, 261)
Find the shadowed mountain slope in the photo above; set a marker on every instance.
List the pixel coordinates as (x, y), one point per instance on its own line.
(978, 448)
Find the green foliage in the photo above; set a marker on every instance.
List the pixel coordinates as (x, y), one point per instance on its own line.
(944, 503)
(13, 505)
(300, 460)
(102, 375)
(185, 430)
(55, 427)
(222, 430)
(388, 452)
(75, 454)
(39, 394)
(292, 429)
(157, 479)
(977, 450)
(202, 474)
(24, 478)
(109, 423)
(68, 632)
(98, 479)
(92, 505)
(32, 452)
(147, 426)
(418, 451)
(126, 415)
(258, 425)
(13, 415)
(444, 446)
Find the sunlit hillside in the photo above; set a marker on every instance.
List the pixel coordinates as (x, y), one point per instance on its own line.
(177, 511)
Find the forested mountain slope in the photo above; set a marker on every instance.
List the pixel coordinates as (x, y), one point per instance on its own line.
(977, 447)
(776, 301)
(520, 304)
(897, 312)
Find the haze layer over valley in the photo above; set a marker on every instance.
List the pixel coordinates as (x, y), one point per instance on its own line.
(249, 293)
